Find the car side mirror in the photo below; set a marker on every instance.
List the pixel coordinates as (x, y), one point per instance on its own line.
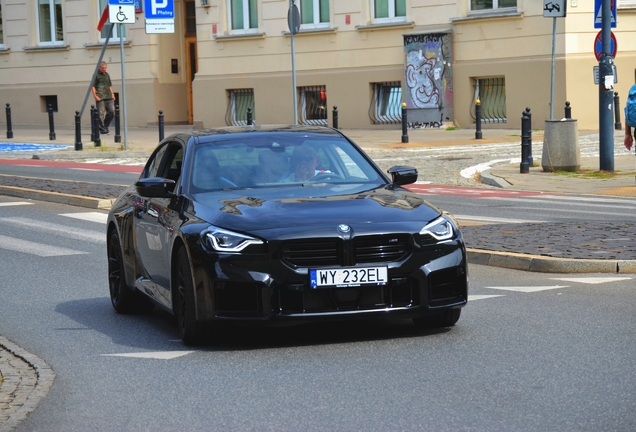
(401, 175)
(155, 187)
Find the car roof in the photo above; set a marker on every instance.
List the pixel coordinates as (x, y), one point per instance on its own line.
(216, 134)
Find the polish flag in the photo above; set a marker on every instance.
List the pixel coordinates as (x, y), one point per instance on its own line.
(103, 19)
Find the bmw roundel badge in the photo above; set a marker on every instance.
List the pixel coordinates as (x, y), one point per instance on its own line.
(344, 228)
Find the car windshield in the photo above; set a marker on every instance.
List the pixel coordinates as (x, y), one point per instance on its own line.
(275, 161)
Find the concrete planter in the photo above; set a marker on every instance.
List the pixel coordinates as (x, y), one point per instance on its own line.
(561, 150)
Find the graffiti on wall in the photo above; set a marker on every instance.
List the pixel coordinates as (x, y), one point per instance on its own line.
(428, 78)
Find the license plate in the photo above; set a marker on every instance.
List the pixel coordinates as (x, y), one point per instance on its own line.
(348, 277)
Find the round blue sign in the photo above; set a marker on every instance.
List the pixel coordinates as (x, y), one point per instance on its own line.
(598, 45)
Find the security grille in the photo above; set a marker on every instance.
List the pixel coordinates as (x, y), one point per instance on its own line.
(491, 93)
(312, 105)
(386, 103)
(238, 103)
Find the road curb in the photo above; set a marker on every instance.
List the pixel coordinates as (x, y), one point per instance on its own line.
(25, 392)
(74, 200)
(544, 264)
(90, 155)
(486, 177)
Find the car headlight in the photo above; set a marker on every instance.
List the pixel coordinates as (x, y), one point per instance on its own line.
(441, 229)
(227, 241)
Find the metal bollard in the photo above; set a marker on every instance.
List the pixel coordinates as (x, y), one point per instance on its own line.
(617, 112)
(161, 125)
(9, 131)
(78, 131)
(529, 115)
(249, 117)
(96, 140)
(335, 117)
(93, 126)
(478, 134)
(405, 134)
(568, 110)
(524, 167)
(117, 127)
(51, 123)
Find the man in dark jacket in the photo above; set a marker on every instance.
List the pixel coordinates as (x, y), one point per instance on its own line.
(105, 98)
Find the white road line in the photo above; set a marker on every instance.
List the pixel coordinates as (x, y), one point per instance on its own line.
(17, 203)
(528, 289)
(160, 355)
(56, 229)
(547, 200)
(88, 216)
(593, 280)
(39, 249)
(86, 169)
(482, 297)
(493, 219)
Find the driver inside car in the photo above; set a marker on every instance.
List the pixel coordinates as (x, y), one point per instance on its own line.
(304, 165)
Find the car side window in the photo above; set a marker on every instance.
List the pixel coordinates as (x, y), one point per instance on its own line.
(154, 164)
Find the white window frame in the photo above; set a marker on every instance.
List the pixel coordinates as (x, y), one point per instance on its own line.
(52, 24)
(495, 8)
(246, 18)
(391, 19)
(627, 4)
(115, 35)
(316, 13)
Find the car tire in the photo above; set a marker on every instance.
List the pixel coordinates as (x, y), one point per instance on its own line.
(445, 319)
(122, 297)
(192, 332)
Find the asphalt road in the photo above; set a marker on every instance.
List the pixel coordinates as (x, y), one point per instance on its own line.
(531, 352)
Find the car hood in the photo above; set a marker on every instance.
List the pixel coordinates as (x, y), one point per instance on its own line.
(254, 210)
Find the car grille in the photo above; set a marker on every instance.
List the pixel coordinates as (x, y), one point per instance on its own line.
(446, 286)
(400, 293)
(366, 249)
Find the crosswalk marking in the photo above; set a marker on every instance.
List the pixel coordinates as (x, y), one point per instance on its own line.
(493, 220)
(527, 289)
(160, 355)
(39, 249)
(482, 297)
(17, 203)
(56, 229)
(88, 216)
(593, 280)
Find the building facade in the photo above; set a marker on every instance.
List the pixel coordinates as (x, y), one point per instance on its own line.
(365, 57)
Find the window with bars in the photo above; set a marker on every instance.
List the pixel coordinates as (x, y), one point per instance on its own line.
(388, 10)
(50, 26)
(314, 13)
(386, 103)
(238, 102)
(491, 93)
(312, 105)
(243, 16)
(490, 5)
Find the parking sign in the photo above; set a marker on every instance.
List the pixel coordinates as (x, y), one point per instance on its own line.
(159, 9)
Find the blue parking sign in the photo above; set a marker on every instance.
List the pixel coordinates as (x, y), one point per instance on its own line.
(159, 9)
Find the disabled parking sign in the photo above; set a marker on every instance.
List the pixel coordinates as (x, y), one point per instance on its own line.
(121, 11)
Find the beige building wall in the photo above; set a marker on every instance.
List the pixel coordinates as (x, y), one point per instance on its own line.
(346, 58)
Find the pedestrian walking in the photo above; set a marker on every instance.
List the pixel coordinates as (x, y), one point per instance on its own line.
(630, 117)
(104, 97)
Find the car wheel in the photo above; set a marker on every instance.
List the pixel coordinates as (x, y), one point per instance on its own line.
(192, 332)
(121, 297)
(445, 319)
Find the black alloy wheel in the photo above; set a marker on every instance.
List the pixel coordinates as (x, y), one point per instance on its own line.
(192, 332)
(121, 297)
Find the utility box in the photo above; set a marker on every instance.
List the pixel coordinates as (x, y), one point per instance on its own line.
(561, 149)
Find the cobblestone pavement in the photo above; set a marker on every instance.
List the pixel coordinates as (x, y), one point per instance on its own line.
(26, 379)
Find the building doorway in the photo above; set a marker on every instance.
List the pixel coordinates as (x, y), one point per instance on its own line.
(191, 52)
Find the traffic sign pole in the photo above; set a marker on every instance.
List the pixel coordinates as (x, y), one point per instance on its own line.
(606, 93)
(123, 84)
